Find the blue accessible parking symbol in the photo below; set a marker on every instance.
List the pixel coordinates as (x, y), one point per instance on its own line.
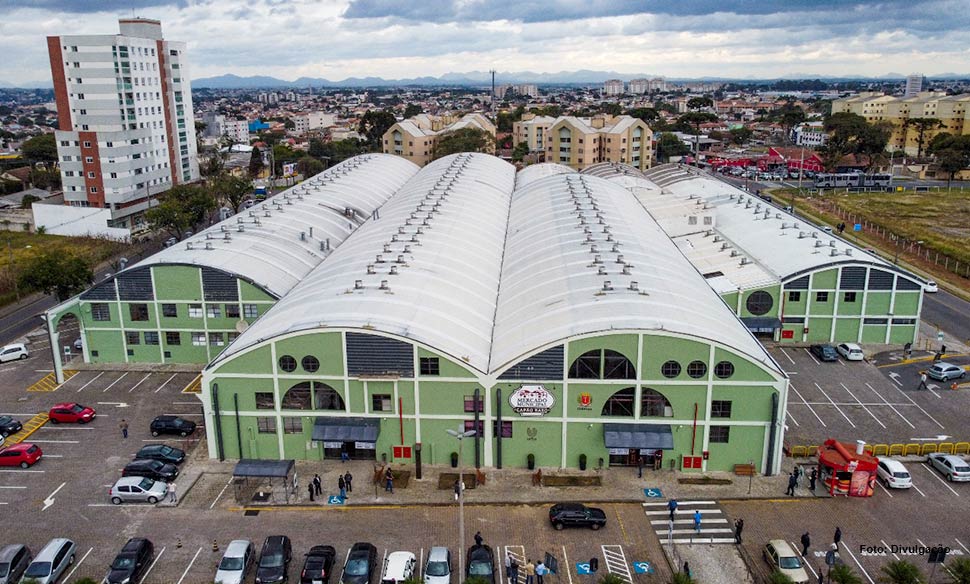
(583, 569)
(653, 493)
(642, 568)
(335, 500)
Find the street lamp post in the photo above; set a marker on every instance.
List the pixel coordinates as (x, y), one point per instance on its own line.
(461, 498)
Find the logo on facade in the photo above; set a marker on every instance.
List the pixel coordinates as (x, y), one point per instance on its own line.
(531, 400)
(585, 401)
(531, 433)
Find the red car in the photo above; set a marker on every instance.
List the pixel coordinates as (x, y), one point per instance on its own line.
(71, 413)
(23, 455)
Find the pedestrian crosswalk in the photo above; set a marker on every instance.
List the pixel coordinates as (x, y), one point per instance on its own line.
(616, 563)
(714, 528)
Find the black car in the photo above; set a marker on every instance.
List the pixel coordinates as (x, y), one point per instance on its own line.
(318, 565)
(825, 352)
(162, 452)
(151, 469)
(172, 425)
(131, 563)
(576, 515)
(9, 426)
(361, 566)
(274, 560)
(481, 563)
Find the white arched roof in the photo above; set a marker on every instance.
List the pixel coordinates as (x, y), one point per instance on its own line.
(276, 243)
(569, 239)
(534, 172)
(443, 234)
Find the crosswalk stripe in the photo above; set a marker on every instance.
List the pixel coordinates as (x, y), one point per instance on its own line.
(713, 528)
(687, 521)
(680, 503)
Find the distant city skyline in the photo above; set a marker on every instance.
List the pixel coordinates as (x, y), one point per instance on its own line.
(338, 39)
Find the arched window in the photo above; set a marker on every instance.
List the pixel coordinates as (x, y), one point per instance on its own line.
(602, 364)
(653, 403)
(297, 397)
(326, 397)
(620, 403)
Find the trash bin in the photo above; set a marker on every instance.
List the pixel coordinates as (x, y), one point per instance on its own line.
(454, 460)
(582, 462)
(532, 461)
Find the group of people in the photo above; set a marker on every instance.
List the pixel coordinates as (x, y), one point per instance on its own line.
(344, 483)
(807, 541)
(534, 572)
(798, 473)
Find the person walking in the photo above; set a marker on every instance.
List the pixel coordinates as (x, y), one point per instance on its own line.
(540, 572)
(317, 485)
(738, 528)
(792, 481)
(310, 490)
(124, 428)
(806, 542)
(530, 572)
(697, 521)
(640, 467)
(687, 569)
(349, 478)
(389, 481)
(478, 538)
(342, 485)
(837, 537)
(172, 493)
(515, 573)
(457, 488)
(672, 505)
(798, 474)
(508, 566)
(812, 478)
(922, 382)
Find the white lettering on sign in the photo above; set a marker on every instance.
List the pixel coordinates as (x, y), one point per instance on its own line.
(531, 400)
(365, 445)
(333, 444)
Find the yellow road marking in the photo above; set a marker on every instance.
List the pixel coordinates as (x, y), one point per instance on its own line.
(194, 386)
(49, 383)
(620, 521)
(321, 507)
(30, 426)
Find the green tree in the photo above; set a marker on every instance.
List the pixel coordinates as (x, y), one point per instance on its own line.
(412, 110)
(309, 166)
(959, 570)
(901, 572)
(289, 124)
(41, 149)
(608, 578)
(611, 108)
(871, 142)
(922, 125)
(682, 578)
(231, 191)
(373, 124)
(779, 577)
(843, 574)
(647, 114)
(477, 580)
(670, 145)
(28, 201)
(504, 120)
(789, 116)
(182, 207)
(255, 163)
(520, 151)
(844, 129)
(694, 121)
(697, 103)
(462, 140)
(741, 135)
(951, 162)
(58, 273)
(317, 148)
(340, 150)
(282, 154)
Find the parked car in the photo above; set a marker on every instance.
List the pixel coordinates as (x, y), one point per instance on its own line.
(398, 567)
(954, 468)
(9, 426)
(893, 474)
(162, 452)
(172, 425)
(943, 371)
(131, 563)
(51, 562)
(438, 568)
(850, 351)
(13, 352)
(931, 287)
(14, 559)
(71, 413)
(137, 489)
(361, 566)
(318, 565)
(274, 560)
(780, 556)
(576, 515)
(78, 344)
(236, 562)
(481, 563)
(825, 352)
(152, 469)
(24, 455)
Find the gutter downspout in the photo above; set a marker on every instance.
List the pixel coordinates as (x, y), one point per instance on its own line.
(220, 449)
(235, 400)
(772, 435)
(478, 437)
(498, 421)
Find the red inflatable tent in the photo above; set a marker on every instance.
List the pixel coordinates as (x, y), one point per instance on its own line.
(845, 470)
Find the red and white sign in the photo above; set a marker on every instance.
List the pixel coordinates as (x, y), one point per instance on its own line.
(531, 400)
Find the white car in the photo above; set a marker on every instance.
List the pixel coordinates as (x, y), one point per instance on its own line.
(893, 474)
(13, 352)
(780, 556)
(236, 562)
(850, 351)
(931, 287)
(954, 468)
(398, 567)
(438, 568)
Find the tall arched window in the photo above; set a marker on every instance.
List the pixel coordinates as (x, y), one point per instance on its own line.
(602, 364)
(320, 395)
(620, 403)
(297, 397)
(653, 403)
(326, 397)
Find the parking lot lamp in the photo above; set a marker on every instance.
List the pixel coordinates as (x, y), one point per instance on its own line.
(458, 434)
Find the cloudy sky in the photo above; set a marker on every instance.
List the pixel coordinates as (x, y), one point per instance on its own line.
(336, 39)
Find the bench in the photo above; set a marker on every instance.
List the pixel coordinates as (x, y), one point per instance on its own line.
(744, 470)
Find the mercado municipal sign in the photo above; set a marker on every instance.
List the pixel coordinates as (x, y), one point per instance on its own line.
(531, 400)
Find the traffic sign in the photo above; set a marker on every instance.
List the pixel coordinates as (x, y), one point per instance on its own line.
(552, 564)
(642, 568)
(335, 500)
(583, 568)
(653, 493)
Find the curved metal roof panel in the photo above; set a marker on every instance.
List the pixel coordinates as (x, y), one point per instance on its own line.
(276, 243)
(535, 172)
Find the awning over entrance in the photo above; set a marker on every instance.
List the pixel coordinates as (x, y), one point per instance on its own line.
(346, 430)
(761, 324)
(251, 468)
(653, 436)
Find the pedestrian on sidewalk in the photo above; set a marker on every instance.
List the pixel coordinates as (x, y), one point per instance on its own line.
(530, 572)
(806, 542)
(838, 536)
(687, 569)
(540, 571)
(172, 493)
(124, 428)
(317, 485)
(478, 538)
(457, 488)
(922, 382)
(344, 457)
(508, 566)
(389, 481)
(348, 478)
(812, 478)
(697, 521)
(309, 489)
(792, 481)
(640, 467)
(798, 474)
(342, 485)
(672, 505)
(738, 528)
(514, 579)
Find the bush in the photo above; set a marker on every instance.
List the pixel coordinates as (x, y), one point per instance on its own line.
(778, 577)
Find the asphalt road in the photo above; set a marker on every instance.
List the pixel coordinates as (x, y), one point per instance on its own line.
(950, 313)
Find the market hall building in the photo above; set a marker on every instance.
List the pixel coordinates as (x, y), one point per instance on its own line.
(546, 310)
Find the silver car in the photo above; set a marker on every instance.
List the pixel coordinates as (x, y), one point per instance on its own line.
(138, 489)
(954, 468)
(944, 371)
(52, 561)
(236, 562)
(14, 560)
(438, 568)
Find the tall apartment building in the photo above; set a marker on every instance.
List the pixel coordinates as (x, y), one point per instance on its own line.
(613, 87)
(657, 84)
(415, 137)
(125, 123)
(532, 129)
(639, 86)
(529, 89)
(313, 121)
(218, 125)
(914, 85)
(581, 142)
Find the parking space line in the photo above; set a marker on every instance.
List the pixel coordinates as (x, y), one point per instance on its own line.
(90, 382)
(615, 561)
(519, 558)
(886, 545)
(56, 441)
(143, 380)
(565, 560)
(115, 382)
(961, 545)
(918, 490)
(78, 565)
(166, 383)
(868, 411)
(189, 567)
(421, 565)
(21, 470)
(216, 500)
(891, 406)
(937, 477)
(814, 413)
(854, 559)
(812, 356)
(11, 487)
(920, 408)
(149, 570)
(884, 489)
(805, 563)
(847, 418)
(792, 418)
(785, 353)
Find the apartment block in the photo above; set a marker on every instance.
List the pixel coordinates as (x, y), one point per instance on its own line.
(581, 142)
(416, 137)
(218, 125)
(639, 86)
(613, 87)
(533, 130)
(125, 120)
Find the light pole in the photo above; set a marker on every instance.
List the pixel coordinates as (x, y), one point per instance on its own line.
(461, 499)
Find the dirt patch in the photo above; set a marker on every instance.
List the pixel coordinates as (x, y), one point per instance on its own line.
(704, 481)
(571, 481)
(446, 480)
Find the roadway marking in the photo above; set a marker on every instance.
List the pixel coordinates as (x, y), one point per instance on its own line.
(920, 408)
(11, 487)
(812, 356)
(149, 571)
(113, 383)
(189, 567)
(854, 559)
(805, 563)
(520, 559)
(23, 469)
(78, 565)
(56, 441)
(785, 353)
(616, 563)
(814, 413)
(890, 405)
(566, 563)
(838, 409)
(937, 477)
(961, 545)
(166, 383)
(918, 490)
(792, 417)
(143, 379)
(90, 382)
(868, 411)
(884, 489)
(216, 500)
(886, 545)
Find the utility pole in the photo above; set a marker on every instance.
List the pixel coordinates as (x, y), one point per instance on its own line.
(460, 436)
(491, 103)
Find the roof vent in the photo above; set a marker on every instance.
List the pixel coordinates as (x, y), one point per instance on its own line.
(607, 285)
(626, 269)
(818, 243)
(224, 228)
(717, 238)
(241, 228)
(414, 238)
(615, 248)
(408, 221)
(228, 237)
(384, 285)
(407, 249)
(634, 285)
(208, 236)
(303, 236)
(745, 261)
(387, 248)
(266, 214)
(709, 233)
(609, 236)
(358, 284)
(419, 231)
(815, 235)
(188, 245)
(400, 259)
(834, 252)
(767, 214)
(619, 259)
(784, 226)
(593, 249)
(589, 238)
(289, 201)
(601, 271)
(379, 259)
(370, 269)
(795, 225)
(777, 215)
(725, 246)
(597, 259)
(801, 235)
(348, 212)
(734, 253)
(832, 243)
(401, 229)
(848, 251)
(208, 245)
(393, 270)
(394, 238)
(747, 205)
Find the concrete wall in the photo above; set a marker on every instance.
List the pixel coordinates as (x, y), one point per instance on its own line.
(77, 221)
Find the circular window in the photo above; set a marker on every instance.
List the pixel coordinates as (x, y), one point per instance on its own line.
(724, 369)
(759, 303)
(288, 363)
(670, 369)
(697, 369)
(310, 364)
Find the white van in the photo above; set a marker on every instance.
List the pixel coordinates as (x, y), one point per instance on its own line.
(893, 474)
(13, 352)
(398, 567)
